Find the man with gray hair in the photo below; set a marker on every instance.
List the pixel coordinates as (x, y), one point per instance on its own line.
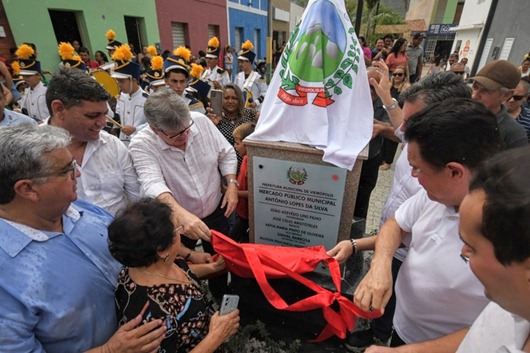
(58, 277)
(493, 86)
(78, 104)
(178, 160)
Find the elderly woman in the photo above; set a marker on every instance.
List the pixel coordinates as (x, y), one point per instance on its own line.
(157, 284)
(234, 114)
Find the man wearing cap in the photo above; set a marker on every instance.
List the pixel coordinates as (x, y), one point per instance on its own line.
(33, 102)
(130, 104)
(493, 86)
(251, 83)
(415, 53)
(177, 75)
(213, 74)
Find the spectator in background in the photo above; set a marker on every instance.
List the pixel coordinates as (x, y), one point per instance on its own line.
(493, 86)
(437, 66)
(379, 52)
(415, 57)
(389, 41)
(229, 60)
(370, 167)
(85, 57)
(453, 58)
(525, 67)
(398, 56)
(517, 106)
(101, 58)
(9, 117)
(467, 69)
(366, 51)
(399, 84)
(458, 69)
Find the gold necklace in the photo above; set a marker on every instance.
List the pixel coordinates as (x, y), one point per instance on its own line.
(190, 280)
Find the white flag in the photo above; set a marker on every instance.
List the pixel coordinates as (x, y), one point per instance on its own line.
(319, 94)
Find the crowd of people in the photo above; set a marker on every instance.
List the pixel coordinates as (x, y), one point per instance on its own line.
(102, 202)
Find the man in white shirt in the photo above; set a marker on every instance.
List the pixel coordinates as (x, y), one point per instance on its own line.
(431, 89)
(213, 74)
(79, 105)
(437, 295)
(251, 83)
(494, 229)
(130, 104)
(180, 159)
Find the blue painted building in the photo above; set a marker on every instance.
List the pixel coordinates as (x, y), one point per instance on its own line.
(247, 19)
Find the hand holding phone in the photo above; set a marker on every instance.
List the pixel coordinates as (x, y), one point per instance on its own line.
(229, 303)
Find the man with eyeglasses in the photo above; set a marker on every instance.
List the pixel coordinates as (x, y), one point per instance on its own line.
(58, 278)
(438, 297)
(493, 86)
(78, 104)
(181, 159)
(517, 106)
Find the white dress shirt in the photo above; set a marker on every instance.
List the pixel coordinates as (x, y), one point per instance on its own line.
(191, 176)
(210, 75)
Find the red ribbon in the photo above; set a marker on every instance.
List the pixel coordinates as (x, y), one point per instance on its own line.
(320, 100)
(263, 261)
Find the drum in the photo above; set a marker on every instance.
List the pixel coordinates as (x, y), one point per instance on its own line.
(109, 83)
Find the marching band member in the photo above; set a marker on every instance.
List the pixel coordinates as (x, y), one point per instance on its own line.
(251, 83)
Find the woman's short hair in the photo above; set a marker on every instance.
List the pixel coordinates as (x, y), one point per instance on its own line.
(140, 231)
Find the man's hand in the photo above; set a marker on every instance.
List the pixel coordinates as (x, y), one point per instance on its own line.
(128, 130)
(131, 338)
(382, 88)
(375, 289)
(200, 257)
(342, 251)
(230, 199)
(192, 225)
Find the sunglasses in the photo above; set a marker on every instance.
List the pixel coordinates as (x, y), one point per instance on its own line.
(459, 72)
(399, 74)
(517, 98)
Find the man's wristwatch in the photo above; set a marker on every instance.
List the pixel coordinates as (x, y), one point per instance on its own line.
(233, 181)
(392, 106)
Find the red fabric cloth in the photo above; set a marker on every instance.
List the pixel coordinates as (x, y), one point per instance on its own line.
(267, 261)
(242, 203)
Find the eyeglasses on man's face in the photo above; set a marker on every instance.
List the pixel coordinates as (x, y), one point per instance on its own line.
(179, 134)
(70, 168)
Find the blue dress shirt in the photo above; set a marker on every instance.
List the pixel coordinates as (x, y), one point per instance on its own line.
(57, 289)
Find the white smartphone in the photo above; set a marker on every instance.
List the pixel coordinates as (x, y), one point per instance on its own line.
(229, 304)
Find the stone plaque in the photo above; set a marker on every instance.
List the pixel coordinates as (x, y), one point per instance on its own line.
(297, 204)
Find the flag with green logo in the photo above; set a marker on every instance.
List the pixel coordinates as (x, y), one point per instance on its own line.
(319, 94)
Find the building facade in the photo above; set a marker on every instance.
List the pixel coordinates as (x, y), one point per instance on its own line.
(247, 20)
(191, 23)
(46, 23)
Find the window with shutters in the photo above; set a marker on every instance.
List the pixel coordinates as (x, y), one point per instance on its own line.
(178, 32)
(238, 34)
(213, 31)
